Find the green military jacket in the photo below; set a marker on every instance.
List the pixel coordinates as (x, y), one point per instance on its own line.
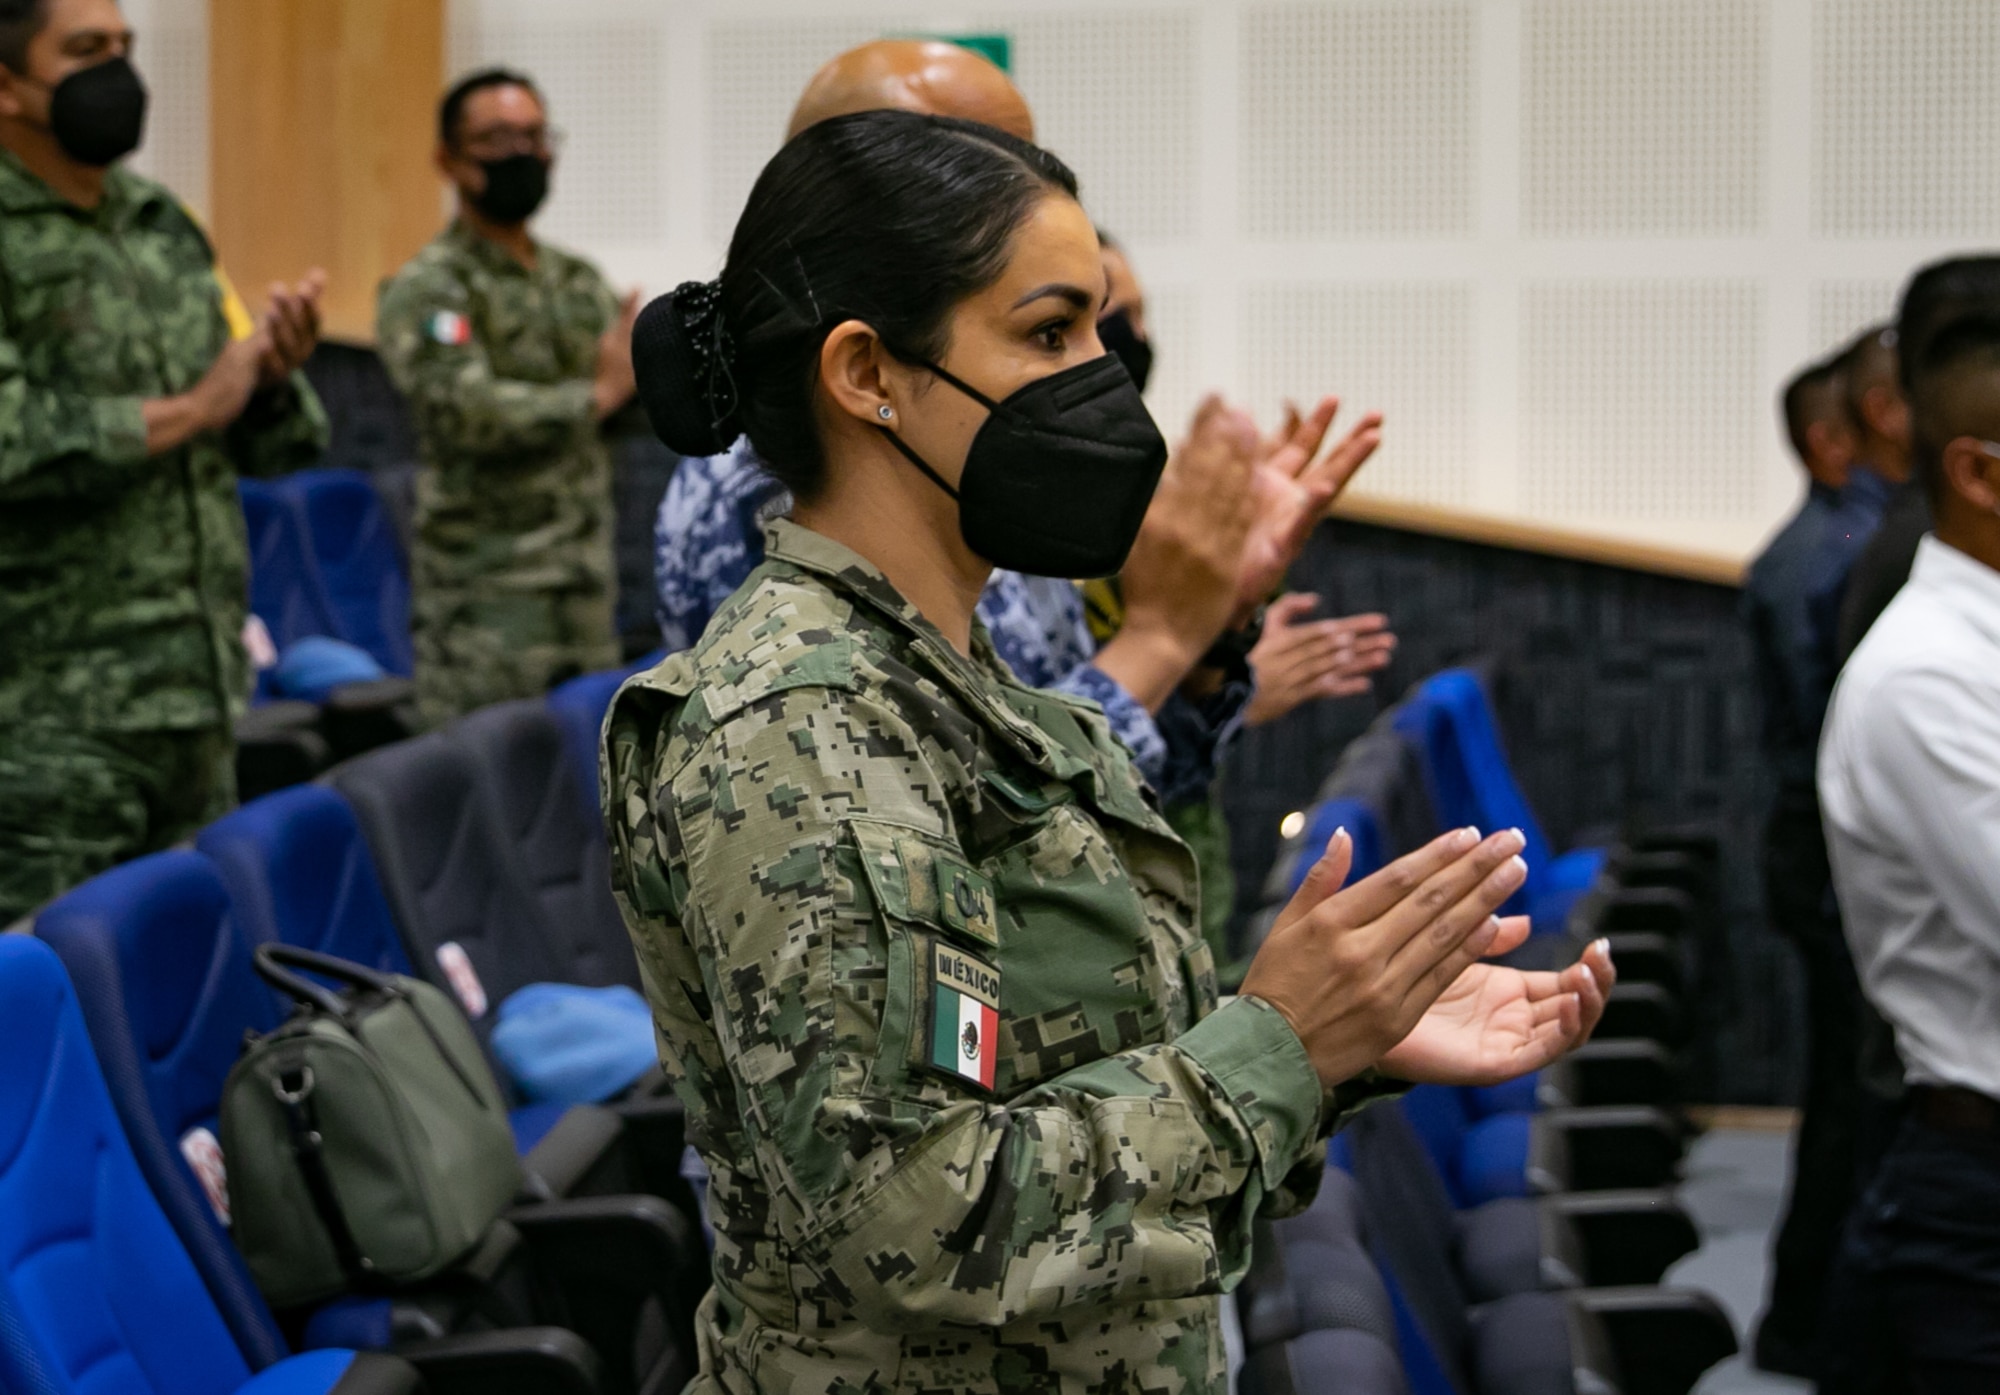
(497, 362)
(123, 577)
(928, 976)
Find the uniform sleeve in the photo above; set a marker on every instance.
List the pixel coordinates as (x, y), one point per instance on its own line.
(423, 331)
(915, 1197)
(56, 443)
(283, 429)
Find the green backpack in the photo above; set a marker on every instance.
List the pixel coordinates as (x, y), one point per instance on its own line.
(366, 1140)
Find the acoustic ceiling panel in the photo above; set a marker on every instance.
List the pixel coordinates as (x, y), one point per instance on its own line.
(1641, 399)
(1404, 348)
(1117, 94)
(1842, 309)
(1358, 120)
(602, 80)
(1173, 319)
(756, 71)
(1643, 117)
(1906, 118)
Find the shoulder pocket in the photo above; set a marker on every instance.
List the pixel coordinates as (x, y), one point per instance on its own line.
(916, 877)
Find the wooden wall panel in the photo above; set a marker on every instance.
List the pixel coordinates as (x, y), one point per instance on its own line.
(320, 132)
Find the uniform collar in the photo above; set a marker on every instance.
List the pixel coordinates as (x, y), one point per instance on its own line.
(975, 679)
(495, 257)
(1968, 586)
(125, 194)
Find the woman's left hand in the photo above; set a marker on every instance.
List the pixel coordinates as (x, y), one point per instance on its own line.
(1496, 1023)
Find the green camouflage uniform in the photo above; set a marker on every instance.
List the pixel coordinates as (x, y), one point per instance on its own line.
(828, 828)
(123, 577)
(512, 585)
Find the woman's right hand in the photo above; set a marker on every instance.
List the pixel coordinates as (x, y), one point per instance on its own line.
(1354, 970)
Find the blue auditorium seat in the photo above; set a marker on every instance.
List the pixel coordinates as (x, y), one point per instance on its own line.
(353, 548)
(98, 1294)
(299, 872)
(286, 592)
(162, 971)
(1450, 720)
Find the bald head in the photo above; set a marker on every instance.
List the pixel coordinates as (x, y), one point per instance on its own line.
(926, 76)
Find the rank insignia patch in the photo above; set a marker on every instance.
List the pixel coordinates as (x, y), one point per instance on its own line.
(965, 1018)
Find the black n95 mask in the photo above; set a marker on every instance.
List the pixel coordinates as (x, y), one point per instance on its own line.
(98, 114)
(1059, 475)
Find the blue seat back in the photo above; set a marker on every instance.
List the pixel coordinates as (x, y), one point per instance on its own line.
(353, 547)
(1450, 719)
(299, 873)
(163, 975)
(285, 589)
(97, 1294)
(1438, 1115)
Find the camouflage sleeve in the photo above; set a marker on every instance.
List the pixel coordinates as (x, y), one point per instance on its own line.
(56, 443)
(283, 429)
(422, 332)
(916, 1196)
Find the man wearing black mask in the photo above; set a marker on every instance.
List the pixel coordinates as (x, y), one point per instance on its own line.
(134, 388)
(515, 356)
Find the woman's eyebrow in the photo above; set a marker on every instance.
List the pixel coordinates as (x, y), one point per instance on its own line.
(1075, 295)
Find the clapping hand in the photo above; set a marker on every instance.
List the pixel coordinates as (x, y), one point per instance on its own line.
(290, 324)
(1293, 492)
(1495, 1023)
(1298, 659)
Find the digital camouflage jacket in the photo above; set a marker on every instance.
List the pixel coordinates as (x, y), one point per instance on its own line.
(123, 576)
(926, 970)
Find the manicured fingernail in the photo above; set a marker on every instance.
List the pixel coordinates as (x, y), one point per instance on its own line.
(1518, 838)
(1603, 947)
(1468, 837)
(1515, 864)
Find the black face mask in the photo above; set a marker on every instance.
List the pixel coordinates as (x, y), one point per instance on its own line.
(515, 188)
(1116, 333)
(98, 114)
(1058, 477)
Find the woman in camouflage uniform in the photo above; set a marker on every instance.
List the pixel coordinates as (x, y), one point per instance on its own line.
(924, 958)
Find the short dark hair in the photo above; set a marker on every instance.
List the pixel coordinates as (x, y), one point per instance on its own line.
(886, 217)
(451, 111)
(1866, 364)
(1813, 395)
(20, 21)
(1938, 294)
(1956, 393)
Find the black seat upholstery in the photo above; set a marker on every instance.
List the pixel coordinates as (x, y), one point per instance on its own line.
(555, 841)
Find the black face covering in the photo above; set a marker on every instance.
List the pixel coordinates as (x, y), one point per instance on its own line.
(515, 188)
(1116, 332)
(98, 114)
(1058, 477)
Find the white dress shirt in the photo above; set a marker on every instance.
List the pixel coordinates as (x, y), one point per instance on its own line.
(1909, 783)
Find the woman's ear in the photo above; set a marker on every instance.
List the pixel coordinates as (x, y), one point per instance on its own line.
(855, 369)
(1971, 472)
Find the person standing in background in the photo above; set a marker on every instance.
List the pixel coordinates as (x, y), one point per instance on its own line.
(515, 357)
(134, 388)
(1794, 681)
(1909, 778)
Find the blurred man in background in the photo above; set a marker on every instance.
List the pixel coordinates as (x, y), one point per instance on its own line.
(134, 388)
(1795, 679)
(1909, 777)
(515, 356)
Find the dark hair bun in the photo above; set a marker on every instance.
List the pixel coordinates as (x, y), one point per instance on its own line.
(685, 365)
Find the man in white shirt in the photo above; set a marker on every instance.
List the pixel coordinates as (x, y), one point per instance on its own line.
(1909, 779)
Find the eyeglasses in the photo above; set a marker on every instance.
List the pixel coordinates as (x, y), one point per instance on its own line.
(498, 142)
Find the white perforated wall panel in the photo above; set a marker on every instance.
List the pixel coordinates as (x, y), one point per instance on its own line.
(1906, 116)
(1842, 309)
(1643, 117)
(172, 53)
(1640, 399)
(1403, 348)
(1358, 120)
(1116, 93)
(601, 73)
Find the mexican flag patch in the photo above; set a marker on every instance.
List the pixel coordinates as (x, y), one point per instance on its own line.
(965, 1017)
(450, 327)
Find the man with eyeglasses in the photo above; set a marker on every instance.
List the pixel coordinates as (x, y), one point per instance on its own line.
(515, 357)
(134, 389)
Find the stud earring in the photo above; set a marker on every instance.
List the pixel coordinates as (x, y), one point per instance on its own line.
(885, 411)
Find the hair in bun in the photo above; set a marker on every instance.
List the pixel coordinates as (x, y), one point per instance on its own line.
(685, 364)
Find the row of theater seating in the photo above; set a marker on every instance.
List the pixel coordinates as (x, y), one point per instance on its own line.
(588, 1285)
(1501, 1240)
